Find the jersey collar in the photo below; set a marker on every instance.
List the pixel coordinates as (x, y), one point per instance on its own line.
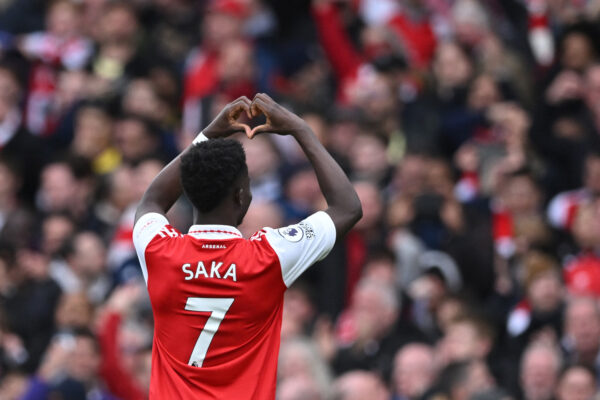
(214, 232)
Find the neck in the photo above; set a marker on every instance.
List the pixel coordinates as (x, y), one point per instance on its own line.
(216, 217)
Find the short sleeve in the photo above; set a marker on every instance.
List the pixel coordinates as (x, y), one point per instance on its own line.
(145, 229)
(301, 245)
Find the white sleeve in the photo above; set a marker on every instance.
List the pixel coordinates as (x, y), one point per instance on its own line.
(301, 245)
(144, 230)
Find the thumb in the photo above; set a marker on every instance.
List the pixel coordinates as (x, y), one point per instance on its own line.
(260, 129)
(241, 127)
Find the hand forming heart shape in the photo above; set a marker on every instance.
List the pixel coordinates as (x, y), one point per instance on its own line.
(278, 119)
(253, 110)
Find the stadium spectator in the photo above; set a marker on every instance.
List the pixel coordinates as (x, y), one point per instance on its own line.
(470, 130)
(355, 385)
(576, 383)
(299, 358)
(462, 380)
(414, 371)
(368, 333)
(541, 310)
(581, 325)
(540, 367)
(69, 369)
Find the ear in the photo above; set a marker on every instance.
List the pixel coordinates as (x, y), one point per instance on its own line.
(238, 195)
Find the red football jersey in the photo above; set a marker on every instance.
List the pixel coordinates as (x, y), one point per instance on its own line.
(217, 301)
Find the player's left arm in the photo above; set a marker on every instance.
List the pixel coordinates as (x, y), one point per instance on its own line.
(166, 188)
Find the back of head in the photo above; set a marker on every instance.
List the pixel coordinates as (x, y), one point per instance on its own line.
(358, 384)
(210, 171)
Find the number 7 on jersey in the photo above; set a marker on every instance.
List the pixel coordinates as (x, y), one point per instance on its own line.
(217, 307)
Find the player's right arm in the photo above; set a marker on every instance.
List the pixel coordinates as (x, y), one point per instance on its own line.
(344, 207)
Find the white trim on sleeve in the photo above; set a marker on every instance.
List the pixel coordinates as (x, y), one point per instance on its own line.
(145, 229)
(301, 245)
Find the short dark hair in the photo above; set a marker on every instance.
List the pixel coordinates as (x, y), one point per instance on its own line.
(210, 169)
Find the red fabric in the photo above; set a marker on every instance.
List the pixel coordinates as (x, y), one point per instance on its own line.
(572, 209)
(417, 37)
(472, 178)
(240, 361)
(118, 380)
(538, 21)
(582, 275)
(233, 91)
(345, 329)
(340, 52)
(356, 256)
(38, 111)
(231, 7)
(502, 225)
(123, 234)
(201, 77)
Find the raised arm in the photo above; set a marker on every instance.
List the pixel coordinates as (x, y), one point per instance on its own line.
(165, 189)
(343, 204)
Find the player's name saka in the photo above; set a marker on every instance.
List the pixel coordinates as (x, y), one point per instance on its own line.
(216, 271)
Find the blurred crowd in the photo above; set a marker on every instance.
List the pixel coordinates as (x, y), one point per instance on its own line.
(471, 130)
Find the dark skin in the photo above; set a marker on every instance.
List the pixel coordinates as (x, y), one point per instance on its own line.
(343, 204)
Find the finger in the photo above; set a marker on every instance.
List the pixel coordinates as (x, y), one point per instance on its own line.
(244, 101)
(247, 103)
(236, 109)
(243, 98)
(265, 99)
(260, 129)
(242, 128)
(258, 107)
(262, 105)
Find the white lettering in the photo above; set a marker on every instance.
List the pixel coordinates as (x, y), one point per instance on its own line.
(214, 269)
(231, 272)
(200, 270)
(189, 274)
(171, 232)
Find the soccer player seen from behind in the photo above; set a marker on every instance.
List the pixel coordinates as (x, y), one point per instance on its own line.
(217, 298)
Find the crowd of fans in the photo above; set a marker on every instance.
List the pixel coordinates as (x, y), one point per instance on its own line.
(470, 129)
